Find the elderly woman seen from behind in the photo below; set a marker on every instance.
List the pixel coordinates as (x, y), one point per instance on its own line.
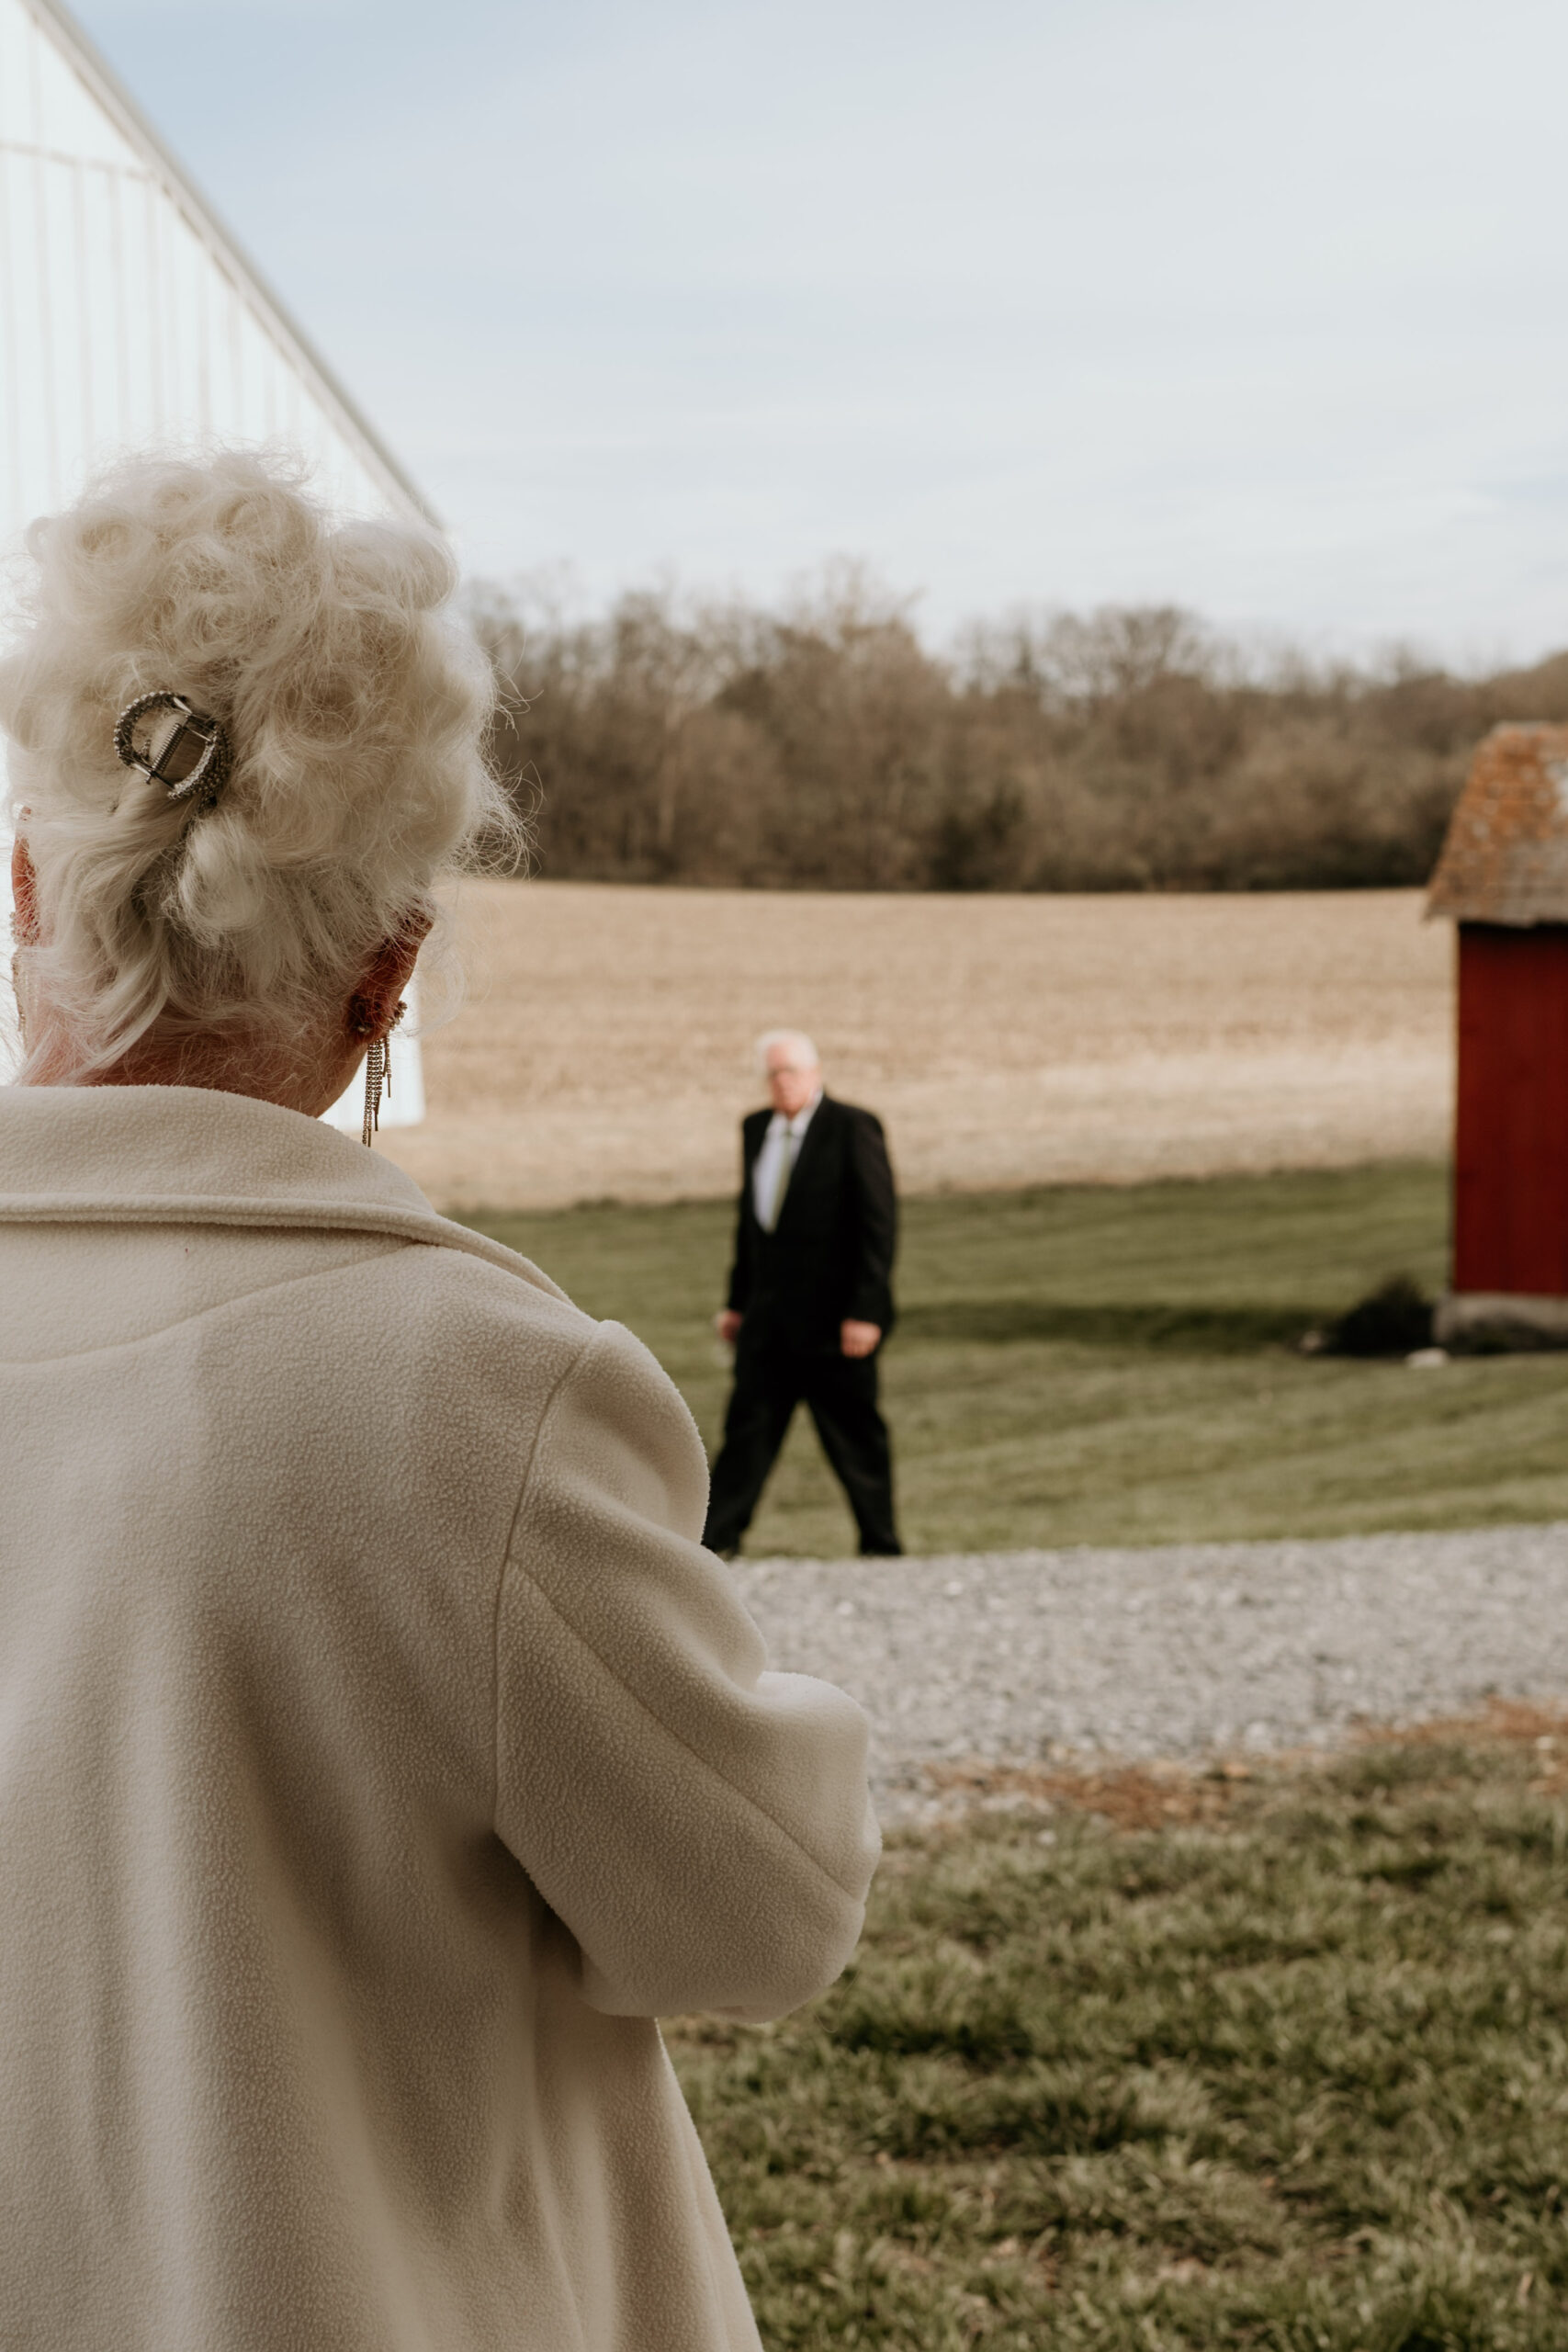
(379, 1751)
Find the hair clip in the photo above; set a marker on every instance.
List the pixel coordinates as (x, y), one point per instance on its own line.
(193, 761)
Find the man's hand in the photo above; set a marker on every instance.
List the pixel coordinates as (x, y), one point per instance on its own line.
(858, 1338)
(726, 1323)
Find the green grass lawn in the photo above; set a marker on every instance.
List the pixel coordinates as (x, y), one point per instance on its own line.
(1287, 2069)
(1115, 1365)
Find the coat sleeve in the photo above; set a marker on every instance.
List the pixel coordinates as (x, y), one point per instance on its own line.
(876, 1223)
(700, 1826)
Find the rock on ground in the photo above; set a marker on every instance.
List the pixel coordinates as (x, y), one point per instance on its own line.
(1180, 1652)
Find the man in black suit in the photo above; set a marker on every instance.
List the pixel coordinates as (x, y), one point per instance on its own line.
(810, 1301)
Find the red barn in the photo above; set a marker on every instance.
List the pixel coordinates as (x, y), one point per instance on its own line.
(1502, 875)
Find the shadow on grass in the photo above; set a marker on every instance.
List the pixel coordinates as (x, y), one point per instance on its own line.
(1176, 1331)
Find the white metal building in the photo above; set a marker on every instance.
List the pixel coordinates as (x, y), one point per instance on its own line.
(128, 315)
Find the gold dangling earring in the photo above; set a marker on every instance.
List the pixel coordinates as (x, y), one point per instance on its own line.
(373, 1081)
(379, 1076)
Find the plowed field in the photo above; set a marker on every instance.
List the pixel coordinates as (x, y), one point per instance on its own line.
(604, 1047)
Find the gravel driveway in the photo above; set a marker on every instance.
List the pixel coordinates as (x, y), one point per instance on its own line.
(1175, 1652)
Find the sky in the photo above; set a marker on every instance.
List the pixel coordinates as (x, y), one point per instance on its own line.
(1263, 309)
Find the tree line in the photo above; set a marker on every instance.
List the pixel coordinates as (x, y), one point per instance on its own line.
(824, 746)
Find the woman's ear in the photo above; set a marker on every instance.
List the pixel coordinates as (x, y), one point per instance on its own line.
(387, 975)
(23, 896)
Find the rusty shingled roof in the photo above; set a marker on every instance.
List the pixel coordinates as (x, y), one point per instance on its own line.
(1506, 858)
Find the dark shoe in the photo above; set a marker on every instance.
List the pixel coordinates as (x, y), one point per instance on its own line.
(882, 1551)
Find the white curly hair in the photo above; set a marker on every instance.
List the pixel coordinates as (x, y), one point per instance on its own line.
(357, 705)
(804, 1051)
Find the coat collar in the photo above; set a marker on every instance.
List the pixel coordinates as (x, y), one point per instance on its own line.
(186, 1155)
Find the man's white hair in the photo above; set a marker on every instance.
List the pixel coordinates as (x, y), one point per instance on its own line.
(357, 705)
(795, 1037)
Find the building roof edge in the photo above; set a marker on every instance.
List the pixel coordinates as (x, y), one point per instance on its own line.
(105, 85)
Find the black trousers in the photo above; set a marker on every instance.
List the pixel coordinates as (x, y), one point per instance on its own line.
(772, 1376)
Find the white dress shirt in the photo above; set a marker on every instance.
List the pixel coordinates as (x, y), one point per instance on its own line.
(775, 1163)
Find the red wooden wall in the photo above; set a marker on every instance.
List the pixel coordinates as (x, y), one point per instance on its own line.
(1511, 1145)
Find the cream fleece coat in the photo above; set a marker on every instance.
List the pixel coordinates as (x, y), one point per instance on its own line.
(379, 1753)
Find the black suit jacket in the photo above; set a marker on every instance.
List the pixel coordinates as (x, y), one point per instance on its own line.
(830, 1256)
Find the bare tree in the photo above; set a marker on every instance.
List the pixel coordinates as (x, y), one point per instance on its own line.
(823, 745)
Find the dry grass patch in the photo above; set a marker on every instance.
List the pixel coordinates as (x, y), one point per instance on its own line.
(1128, 1796)
(1170, 1793)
